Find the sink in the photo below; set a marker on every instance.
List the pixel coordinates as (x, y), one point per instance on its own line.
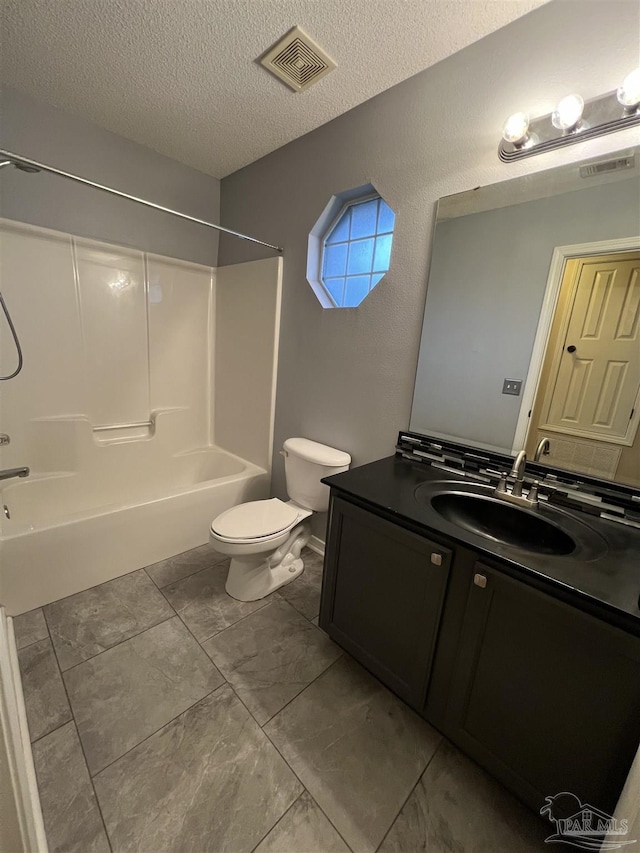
(503, 522)
(546, 530)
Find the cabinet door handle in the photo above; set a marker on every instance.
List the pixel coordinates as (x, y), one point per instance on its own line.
(480, 580)
(436, 559)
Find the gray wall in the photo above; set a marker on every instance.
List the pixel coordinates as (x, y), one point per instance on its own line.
(346, 376)
(67, 142)
(487, 282)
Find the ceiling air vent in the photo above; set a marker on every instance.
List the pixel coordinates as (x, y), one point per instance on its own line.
(297, 60)
(605, 166)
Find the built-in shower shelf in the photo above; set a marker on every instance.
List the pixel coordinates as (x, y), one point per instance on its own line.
(109, 427)
(114, 433)
(164, 423)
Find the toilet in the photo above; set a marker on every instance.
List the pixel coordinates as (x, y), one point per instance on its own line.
(264, 538)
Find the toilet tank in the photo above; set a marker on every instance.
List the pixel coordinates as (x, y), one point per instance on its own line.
(305, 464)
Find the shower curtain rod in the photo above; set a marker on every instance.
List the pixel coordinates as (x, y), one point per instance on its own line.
(26, 164)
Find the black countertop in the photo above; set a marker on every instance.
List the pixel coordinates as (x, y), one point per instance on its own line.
(604, 581)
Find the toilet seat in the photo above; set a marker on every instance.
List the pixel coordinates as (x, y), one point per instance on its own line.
(256, 521)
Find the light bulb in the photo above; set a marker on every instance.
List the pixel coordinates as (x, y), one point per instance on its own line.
(568, 113)
(516, 129)
(629, 93)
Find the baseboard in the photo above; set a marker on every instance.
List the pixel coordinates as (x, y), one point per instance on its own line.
(317, 545)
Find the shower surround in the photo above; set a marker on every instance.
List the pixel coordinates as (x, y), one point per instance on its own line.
(145, 406)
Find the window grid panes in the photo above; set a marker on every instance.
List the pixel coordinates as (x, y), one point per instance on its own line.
(357, 251)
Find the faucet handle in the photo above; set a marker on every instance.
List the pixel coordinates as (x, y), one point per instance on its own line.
(533, 491)
(502, 484)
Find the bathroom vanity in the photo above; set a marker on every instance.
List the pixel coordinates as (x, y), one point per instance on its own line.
(526, 658)
(513, 626)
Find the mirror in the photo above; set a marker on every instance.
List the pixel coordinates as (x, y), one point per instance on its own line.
(532, 319)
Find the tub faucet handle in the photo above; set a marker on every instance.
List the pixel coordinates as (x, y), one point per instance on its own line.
(4, 439)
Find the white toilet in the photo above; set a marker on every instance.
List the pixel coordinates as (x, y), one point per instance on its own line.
(264, 538)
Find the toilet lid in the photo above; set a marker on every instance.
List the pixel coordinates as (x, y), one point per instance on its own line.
(255, 519)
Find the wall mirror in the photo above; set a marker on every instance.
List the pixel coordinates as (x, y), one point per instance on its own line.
(532, 319)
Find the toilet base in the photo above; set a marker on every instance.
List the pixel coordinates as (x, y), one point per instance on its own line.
(252, 578)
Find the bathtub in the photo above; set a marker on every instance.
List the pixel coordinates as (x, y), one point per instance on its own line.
(68, 531)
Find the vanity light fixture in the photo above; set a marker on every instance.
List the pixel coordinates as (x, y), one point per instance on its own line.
(573, 120)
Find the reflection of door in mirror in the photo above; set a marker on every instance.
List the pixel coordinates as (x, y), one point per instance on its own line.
(587, 402)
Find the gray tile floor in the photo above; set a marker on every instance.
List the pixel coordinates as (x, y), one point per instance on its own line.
(166, 717)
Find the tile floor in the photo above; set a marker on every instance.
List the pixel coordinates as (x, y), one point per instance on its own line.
(166, 717)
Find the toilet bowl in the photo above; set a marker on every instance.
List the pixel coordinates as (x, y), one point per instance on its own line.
(264, 538)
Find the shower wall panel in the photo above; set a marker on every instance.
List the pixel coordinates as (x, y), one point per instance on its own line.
(180, 340)
(110, 336)
(113, 308)
(37, 280)
(247, 336)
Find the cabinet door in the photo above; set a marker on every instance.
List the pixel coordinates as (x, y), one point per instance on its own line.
(382, 597)
(546, 697)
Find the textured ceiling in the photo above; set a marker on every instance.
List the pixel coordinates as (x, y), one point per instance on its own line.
(180, 76)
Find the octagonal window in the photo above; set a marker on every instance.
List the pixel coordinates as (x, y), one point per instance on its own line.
(356, 251)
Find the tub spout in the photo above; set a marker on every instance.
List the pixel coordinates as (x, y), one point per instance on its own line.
(9, 473)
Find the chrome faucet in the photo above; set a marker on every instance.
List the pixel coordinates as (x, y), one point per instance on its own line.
(517, 471)
(515, 495)
(542, 449)
(9, 473)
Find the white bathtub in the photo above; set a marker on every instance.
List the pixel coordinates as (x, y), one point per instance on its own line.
(68, 531)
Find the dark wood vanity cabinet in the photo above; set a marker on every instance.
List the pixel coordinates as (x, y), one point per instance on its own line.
(543, 695)
(382, 597)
